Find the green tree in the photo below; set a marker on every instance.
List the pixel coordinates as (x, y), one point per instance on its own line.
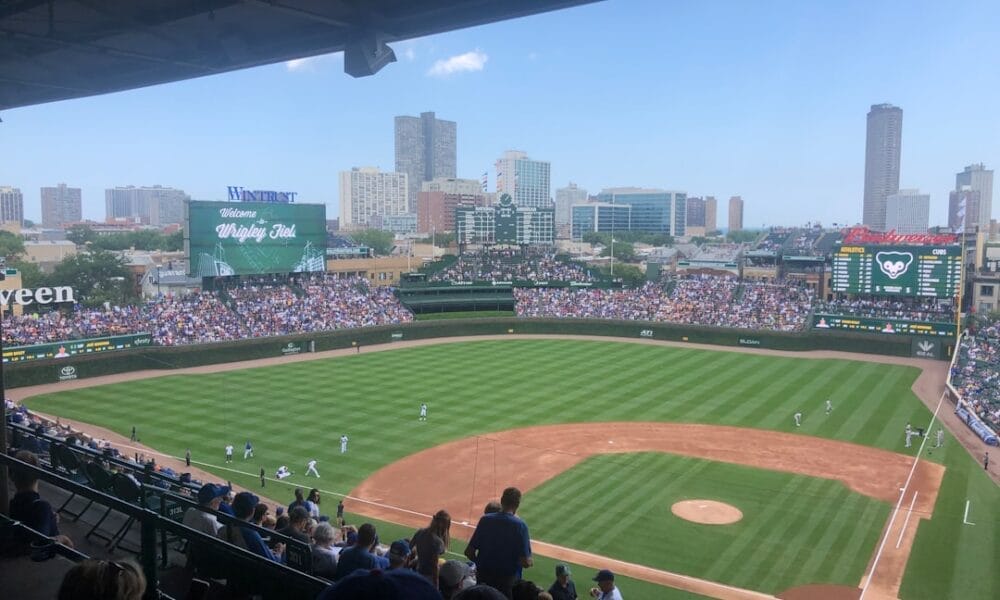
(28, 223)
(31, 274)
(80, 234)
(629, 275)
(593, 237)
(624, 251)
(444, 239)
(97, 277)
(379, 241)
(11, 246)
(174, 242)
(742, 236)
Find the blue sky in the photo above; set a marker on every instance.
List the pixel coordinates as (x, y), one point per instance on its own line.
(762, 99)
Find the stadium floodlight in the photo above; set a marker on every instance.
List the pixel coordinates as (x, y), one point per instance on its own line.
(367, 54)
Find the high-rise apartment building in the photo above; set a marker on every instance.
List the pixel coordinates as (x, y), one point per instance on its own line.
(61, 205)
(907, 211)
(426, 149)
(736, 213)
(438, 199)
(883, 145)
(527, 181)
(653, 210)
(366, 192)
(695, 212)
(980, 179)
(566, 197)
(711, 212)
(963, 210)
(11, 205)
(156, 205)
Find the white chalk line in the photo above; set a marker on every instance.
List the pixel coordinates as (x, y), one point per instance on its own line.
(902, 530)
(902, 494)
(965, 519)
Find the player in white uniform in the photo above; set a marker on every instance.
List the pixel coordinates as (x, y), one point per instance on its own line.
(311, 468)
(229, 453)
(829, 406)
(798, 419)
(423, 411)
(940, 438)
(343, 444)
(248, 450)
(282, 472)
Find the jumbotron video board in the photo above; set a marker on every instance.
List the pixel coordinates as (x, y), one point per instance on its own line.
(252, 238)
(924, 271)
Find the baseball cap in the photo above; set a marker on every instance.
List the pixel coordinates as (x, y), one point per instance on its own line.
(211, 491)
(452, 572)
(400, 548)
(244, 503)
(604, 575)
(397, 584)
(562, 570)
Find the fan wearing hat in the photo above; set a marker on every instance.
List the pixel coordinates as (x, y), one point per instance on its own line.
(203, 518)
(245, 537)
(605, 589)
(562, 588)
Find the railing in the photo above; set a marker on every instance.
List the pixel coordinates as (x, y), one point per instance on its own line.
(270, 579)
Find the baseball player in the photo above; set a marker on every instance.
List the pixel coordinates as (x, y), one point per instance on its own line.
(282, 472)
(311, 468)
(229, 453)
(909, 434)
(248, 450)
(829, 406)
(798, 419)
(423, 411)
(940, 438)
(343, 444)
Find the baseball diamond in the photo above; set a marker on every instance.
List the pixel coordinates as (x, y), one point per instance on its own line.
(602, 454)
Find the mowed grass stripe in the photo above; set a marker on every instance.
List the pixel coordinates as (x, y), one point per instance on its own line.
(296, 411)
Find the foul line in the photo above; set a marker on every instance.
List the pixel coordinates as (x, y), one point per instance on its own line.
(965, 519)
(902, 494)
(906, 522)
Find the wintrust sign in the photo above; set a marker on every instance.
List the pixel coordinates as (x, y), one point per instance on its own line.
(42, 295)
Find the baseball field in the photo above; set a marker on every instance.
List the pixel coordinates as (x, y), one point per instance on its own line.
(609, 439)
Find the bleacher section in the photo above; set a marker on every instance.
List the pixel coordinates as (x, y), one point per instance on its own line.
(975, 376)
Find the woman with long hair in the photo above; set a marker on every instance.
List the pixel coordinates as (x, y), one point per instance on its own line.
(430, 543)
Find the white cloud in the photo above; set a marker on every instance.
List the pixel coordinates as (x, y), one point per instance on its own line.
(470, 61)
(532, 56)
(310, 63)
(409, 54)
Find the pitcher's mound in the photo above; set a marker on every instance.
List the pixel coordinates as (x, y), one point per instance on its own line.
(707, 512)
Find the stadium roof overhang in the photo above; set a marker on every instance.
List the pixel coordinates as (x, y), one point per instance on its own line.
(59, 49)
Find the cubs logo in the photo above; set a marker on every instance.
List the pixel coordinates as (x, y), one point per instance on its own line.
(894, 264)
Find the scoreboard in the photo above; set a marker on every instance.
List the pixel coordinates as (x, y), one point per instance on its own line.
(925, 271)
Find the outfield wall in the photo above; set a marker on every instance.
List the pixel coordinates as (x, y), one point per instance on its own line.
(176, 357)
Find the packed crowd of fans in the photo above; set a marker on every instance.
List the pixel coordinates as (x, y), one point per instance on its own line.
(255, 309)
(881, 308)
(512, 264)
(976, 374)
(694, 299)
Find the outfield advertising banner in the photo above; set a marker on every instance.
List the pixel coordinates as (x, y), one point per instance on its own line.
(252, 238)
(76, 347)
(888, 326)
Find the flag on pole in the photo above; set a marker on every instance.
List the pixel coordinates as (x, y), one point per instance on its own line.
(960, 214)
(485, 180)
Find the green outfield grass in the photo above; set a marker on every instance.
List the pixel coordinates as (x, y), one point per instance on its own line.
(297, 411)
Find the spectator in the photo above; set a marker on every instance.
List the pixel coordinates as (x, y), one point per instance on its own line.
(431, 543)
(246, 537)
(500, 545)
(201, 518)
(28, 506)
(259, 512)
(562, 588)
(324, 553)
(399, 584)
(479, 592)
(605, 589)
(314, 499)
(298, 521)
(103, 580)
(358, 556)
(527, 590)
(454, 577)
(399, 554)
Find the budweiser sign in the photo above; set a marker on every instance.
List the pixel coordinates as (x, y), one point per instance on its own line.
(863, 235)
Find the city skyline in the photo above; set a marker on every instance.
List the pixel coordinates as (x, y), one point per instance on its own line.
(723, 111)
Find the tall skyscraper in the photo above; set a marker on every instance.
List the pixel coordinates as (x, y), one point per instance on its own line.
(907, 211)
(979, 179)
(567, 197)
(367, 192)
(883, 144)
(711, 210)
(156, 205)
(11, 205)
(61, 205)
(696, 212)
(653, 210)
(963, 210)
(426, 148)
(735, 213)
(527, 181)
